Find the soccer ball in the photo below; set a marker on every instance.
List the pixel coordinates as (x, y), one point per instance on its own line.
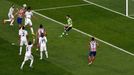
(24, 5)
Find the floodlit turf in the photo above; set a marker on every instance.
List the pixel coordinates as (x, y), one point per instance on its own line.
(68, 55)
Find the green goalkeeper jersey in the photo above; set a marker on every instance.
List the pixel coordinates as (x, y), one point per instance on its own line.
(69, 22)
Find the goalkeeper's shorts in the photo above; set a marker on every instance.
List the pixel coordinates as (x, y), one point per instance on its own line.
(68, 29)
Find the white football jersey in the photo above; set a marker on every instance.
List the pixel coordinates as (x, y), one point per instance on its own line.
(40, 31)
(11, 10)
(93, 45)
(42, 41)
(28, 14)
(28, 50)
(23, 34)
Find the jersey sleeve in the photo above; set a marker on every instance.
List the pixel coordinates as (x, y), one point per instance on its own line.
(19, 32)
(31, 13)
(46, 39)
(26, 33)
(39, 40)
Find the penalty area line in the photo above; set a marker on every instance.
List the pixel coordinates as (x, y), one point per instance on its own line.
(123, 50)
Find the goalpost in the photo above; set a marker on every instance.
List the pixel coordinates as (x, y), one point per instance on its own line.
(127, 8)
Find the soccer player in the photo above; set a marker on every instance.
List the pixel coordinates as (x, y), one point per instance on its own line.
(42, 43)
(10, 16)
(28, 16)
(20, 15)
(92, 52)
(28, 55)
(39, 32)
(22, 38)
(68, 26)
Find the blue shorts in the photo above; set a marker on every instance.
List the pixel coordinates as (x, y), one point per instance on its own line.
(19, 20)
(92, 53)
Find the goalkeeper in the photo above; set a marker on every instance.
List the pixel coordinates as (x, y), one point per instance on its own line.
(68, 26)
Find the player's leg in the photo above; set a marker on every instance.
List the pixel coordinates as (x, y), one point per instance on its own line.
(46, 53)
(68, 29)
(12, 20)
(37, 42)
(31, 27)
(25, 42)
(93, 57)
(21, 44)
(90, 58)
(25, 59)
(63, 33)
(41, 52)
(7, 20)
(32, 59)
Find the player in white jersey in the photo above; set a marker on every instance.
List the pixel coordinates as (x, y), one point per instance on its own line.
(10, 16)
(68, 26)
(39, 32)
(43, 47)
(28, 55)
(28, 16)
(92, 52)
(23, 38)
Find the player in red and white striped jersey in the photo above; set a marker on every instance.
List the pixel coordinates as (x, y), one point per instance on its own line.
(92, 52)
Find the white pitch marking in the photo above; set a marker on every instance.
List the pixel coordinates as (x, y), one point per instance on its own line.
(106, 8)
(123, 50)
(70, 6)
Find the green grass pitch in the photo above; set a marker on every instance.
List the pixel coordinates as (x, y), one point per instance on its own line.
(68, 55)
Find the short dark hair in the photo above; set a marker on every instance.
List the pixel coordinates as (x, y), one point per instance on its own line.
(23, 27)
(13, 5)
(42, 34)
(29, 43)
(92, 38)
(41, 26)
(29, 8)
(68, 15)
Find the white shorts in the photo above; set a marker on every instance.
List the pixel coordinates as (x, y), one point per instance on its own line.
(23, 42)
(29, 57)
(28, 22)
(10, 16)
(43, 48)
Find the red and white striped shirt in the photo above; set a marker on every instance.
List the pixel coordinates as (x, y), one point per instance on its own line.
(21, 12)
(93, 45)
(40, 31)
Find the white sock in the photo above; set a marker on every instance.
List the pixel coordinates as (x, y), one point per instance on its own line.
(8, 20)
(20, 50)
(46, 54)
(41, 54)
(63, 33)
(22, 64)
(32, 30)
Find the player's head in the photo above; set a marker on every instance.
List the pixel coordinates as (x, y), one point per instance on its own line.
(67, 16)
(29, 43)
(42, 34)
(41, 26)
(23, 28)
(29, 9)
(13, 5)
(92, 39)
